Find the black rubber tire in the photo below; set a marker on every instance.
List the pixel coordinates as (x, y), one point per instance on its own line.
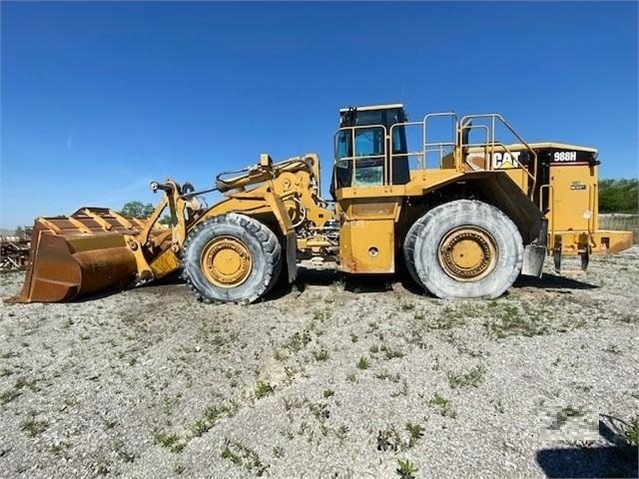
(263, 246)
(422, 243)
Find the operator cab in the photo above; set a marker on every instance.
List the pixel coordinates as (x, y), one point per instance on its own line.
(366, 136)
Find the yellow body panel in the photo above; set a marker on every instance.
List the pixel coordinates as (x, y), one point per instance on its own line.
(367, 246)
(367, 235)
(573, 198)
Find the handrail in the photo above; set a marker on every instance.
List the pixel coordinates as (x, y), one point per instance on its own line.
(551, 205)
(425, 145)
(478, 145)
(408, 153)
(354, 158)
(458, 128)
(494, 116)
(592, 195)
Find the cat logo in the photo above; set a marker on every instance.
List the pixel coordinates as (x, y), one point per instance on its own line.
(498, 160)
(506, 160)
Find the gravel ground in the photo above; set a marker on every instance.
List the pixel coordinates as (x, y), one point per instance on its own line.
(328, 379)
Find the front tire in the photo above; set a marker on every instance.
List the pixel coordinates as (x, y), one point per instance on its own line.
(464, 249)
(231, 258)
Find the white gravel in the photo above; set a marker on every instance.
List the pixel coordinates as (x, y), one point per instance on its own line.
(151, 383)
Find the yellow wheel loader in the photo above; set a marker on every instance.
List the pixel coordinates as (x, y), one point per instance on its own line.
(467, 227)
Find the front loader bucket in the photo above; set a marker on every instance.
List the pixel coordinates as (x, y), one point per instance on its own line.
(79, 255)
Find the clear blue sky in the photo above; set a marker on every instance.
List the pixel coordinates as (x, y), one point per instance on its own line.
(100, 98)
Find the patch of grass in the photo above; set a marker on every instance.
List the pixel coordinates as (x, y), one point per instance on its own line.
(403, 391)
(22, 382)
(392, 353)
(278, 452)
(373, 326)
(472, 378)
(416, 432)
(199, 427)
(407, 306)
(631, 432)
(33, 426)
(168, 404)
(374, 349)
(121, 451)
(5, 372)
(298, 341)
(178, 468)
(444, 406)
(448, 318)
(262, 389)
(406, 469)
(319, 410)
(292, 403)
(321, 355)
(9, 395)
(216, 411)
(328, 393)
(102, 468)
(228, 454)
(171, 442)
(243, 456)
(341, 432)
(363, 363)
(354, 338)
(321, 315)
(613, 349)
(528, 321)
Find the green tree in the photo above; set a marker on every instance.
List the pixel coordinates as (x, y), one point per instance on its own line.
(19, 231)
(165, 220)
(137, 209)
(619, 196)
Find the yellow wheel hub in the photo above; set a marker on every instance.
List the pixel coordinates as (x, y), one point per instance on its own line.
(467, 253)
(226, 262)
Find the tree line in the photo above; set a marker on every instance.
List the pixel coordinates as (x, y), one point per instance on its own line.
(619, 196)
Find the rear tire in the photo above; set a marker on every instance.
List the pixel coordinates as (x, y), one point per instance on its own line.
(464, 249)
(231, 258)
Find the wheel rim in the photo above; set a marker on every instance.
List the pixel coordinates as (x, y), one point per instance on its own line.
(226, 262)
(467, 253)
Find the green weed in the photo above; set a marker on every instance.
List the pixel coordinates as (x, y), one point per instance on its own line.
(473, 378)
(363, 363)
(406, 469)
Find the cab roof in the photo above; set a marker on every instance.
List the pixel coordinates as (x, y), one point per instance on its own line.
(373, 107)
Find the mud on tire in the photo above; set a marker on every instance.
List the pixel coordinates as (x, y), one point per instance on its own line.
(260, 257)
(423, 253)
